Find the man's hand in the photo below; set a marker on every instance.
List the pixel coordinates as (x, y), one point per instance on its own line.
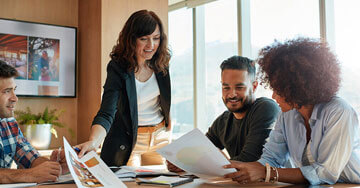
(246, 172)
(59, 156)
(172, 168)
(46, 171)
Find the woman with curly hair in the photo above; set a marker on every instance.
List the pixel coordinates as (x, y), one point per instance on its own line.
(317, 131)
(134, 113)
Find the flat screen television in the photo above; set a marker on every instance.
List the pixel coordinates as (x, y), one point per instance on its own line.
(44, 56)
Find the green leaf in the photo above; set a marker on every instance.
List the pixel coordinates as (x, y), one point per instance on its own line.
(41, 121)
(26, 117)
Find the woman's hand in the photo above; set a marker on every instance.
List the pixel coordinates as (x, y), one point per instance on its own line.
(246, 172)
(86, 147)
(97, 136)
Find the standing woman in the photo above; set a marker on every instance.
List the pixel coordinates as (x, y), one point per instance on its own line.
(134, 113)
(317, 130)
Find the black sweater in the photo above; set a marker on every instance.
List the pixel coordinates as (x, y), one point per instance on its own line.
(244, 138)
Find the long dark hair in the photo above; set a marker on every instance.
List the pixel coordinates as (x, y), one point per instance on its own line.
(141, 23)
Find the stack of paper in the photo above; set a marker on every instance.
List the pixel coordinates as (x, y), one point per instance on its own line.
(132, 172)
(165, 180)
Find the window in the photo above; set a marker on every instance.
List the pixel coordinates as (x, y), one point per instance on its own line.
(263, 22)
(220, 44)
(347, 40)
(280, 20)
(181, 71)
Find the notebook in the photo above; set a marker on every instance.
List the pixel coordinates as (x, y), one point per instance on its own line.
(132, 172)
(164, 181)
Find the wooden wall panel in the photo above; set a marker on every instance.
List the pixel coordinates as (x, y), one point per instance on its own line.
(90, 65)
(59, 12)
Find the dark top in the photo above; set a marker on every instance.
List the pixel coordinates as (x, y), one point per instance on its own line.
(118, 113)
(244, 138)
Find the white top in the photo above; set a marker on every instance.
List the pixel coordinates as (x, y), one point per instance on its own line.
(148, 101)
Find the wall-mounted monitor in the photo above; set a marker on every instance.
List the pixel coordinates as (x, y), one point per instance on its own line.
(44, 56)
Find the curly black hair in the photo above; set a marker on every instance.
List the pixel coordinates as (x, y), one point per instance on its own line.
(303, 71)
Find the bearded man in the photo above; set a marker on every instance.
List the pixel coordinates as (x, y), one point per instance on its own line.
(244, 127)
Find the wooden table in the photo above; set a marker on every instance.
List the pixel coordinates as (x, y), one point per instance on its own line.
(200, 183)
(203, 184)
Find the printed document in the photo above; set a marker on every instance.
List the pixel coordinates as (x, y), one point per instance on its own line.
(196, 154)
(90, 170)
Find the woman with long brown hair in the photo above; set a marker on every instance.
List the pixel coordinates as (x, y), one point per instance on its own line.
(134, 113)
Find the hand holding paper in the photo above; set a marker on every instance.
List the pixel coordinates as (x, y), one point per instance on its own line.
(196, 154)
(90, 170)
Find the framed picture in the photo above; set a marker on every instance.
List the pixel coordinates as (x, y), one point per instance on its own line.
(44, 56)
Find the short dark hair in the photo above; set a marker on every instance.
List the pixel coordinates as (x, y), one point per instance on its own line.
(240, 63)
(303, 71)
(7, 71)
(141, 23)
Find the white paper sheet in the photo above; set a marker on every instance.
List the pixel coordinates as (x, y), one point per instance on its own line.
(61, 180)
(196, 154)
(130, 171)
(90, 170)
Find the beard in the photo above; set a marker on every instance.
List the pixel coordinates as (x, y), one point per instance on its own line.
(246, 101)
(6, 114)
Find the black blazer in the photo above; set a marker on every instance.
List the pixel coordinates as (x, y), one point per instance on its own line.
(118, 113)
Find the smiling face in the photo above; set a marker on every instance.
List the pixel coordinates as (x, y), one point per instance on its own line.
(146, 46)
(237, 90)
(8, 98)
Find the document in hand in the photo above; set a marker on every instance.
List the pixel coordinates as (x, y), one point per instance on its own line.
(90, 170)
(196, 154)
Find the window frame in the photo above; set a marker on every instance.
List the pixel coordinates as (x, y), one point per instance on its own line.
(327, 33)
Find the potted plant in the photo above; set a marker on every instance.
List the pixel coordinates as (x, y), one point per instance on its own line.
(38, 127)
